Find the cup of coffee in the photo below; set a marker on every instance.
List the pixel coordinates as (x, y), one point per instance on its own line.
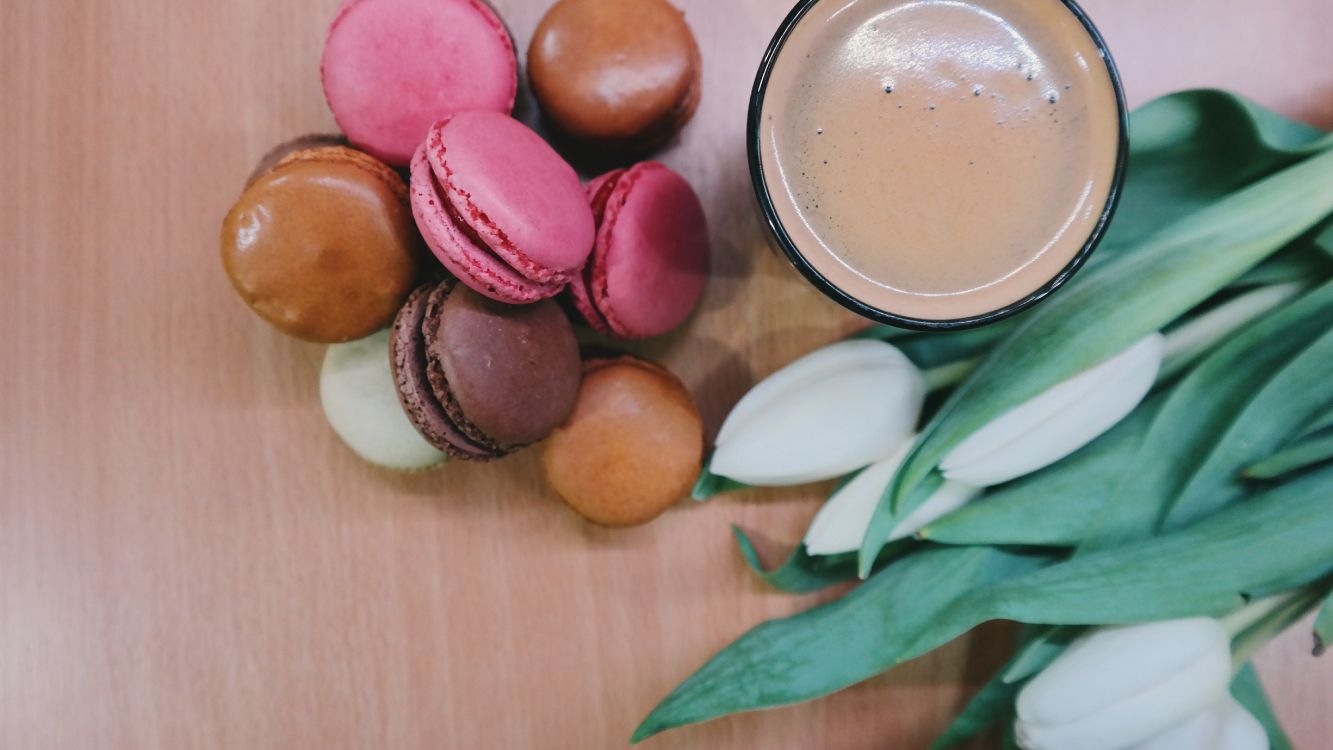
(937, 164)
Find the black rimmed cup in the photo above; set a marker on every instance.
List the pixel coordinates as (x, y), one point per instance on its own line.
(865, 309)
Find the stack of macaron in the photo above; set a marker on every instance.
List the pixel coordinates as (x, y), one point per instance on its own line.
(445, 289)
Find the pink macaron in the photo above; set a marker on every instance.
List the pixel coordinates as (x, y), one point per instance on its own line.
(499, 207)
(391, 68)
(650, 260)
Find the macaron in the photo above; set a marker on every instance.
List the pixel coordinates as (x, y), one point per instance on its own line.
(499, 207)
(650, 260)
(356, 388)
(631, 448)
(622, 75)
(390, 68)
(322, 245)
(480, 379)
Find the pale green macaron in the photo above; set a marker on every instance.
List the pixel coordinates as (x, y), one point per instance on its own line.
(361, 402)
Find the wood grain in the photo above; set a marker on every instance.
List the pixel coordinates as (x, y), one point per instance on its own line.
(190, 559)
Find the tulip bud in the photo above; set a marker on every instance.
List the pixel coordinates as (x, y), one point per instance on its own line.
(829, 413)
(1224, 726)
(1117, 687)
(841, 524)
(1058, 421)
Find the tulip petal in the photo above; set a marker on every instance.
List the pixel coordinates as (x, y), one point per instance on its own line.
(813, 367)
(1120, 686)
(1059, 421)
(841, 523)
(844, 407)
(1224, 726)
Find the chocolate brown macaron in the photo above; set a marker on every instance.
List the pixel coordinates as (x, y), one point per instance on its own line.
(623, 75)
(480, 379)
(323, 245)
(632, 446)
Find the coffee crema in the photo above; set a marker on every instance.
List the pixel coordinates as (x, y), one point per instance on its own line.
(939, 159)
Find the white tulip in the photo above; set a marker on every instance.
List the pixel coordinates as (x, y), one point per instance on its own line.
(1224, 726)
(1118, 687)
(829, 413)
(1058, 421)
(840, 526)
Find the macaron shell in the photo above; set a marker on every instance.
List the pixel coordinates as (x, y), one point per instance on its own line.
(438, 379)
(390, 68)
(469, 261)
(651, 260)
(322, 245)
(623, 74)
(514, 371)
(515, 194)
(360, 400)
(631, 448)
(415, 394)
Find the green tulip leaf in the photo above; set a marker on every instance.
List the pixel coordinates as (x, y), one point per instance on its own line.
(803, 573)
(1270, 419)
(1201, 570)
(1189, 429)
(827, 648)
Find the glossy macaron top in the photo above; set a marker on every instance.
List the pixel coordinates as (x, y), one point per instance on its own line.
(632, 446)
(322, 244)
(479, 378)
(623, 74)
(390, 68)
(500, 208)
(650, 261)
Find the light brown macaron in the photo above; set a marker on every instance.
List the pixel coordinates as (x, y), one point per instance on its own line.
(323, 244)
(624, 75)
(632, 446)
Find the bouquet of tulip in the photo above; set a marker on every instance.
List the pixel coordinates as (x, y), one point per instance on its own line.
(1137, 469)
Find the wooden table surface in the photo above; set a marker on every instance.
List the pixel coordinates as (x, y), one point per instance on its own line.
(190, 559)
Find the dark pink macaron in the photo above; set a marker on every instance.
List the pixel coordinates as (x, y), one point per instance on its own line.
(650, 260)
(499, 207)
(391, 68)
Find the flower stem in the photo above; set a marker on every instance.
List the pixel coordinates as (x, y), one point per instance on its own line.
(1261, 621)
(949, 375)
(1193, 338)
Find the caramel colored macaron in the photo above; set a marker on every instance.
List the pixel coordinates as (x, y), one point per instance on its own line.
(623, 75)
(323, 245)
(631, 448)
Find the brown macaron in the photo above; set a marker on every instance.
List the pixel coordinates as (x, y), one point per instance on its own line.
(622, 75)
(323, 245)
(632, 446)
(478, 378)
